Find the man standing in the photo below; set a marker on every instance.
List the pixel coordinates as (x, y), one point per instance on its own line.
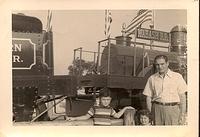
(165, 94)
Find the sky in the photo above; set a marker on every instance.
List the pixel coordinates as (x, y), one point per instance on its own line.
(84, 28)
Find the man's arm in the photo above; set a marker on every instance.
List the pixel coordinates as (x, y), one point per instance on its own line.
(182, 103)
(182, 89)
(148, 102)
(148, 93)
(182, 117)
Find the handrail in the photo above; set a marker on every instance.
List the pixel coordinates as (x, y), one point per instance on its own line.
(138, 43)
(48, 109)
(109, 41)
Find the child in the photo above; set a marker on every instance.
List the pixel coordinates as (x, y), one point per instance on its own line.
(145, 117)
(102, 114)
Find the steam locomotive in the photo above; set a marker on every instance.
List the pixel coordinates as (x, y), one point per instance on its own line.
(34, 82)
(123, 66)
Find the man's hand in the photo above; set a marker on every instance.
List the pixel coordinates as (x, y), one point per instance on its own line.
(182, 119)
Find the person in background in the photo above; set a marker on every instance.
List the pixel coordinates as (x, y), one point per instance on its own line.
(165, 93)
(145, 117)
(102, 114)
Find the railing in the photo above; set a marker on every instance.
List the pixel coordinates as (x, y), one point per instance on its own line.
(107, 42)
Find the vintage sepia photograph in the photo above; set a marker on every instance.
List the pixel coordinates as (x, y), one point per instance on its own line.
(99, 67)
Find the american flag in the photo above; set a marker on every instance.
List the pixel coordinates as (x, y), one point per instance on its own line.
(141, 11)
(108, 21)
(49, 21)
(142, 16)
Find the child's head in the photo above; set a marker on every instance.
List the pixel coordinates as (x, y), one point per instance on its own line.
(105, 97)
(144, 117)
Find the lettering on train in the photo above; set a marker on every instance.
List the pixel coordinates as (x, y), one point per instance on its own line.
(16, 48)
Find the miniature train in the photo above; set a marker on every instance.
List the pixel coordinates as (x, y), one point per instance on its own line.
(122, 66)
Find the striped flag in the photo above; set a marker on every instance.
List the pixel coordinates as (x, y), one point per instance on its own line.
(142, 16)
(108, 21)
(49, 21)
(141, 11)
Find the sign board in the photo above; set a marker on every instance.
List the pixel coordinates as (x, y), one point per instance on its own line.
(23, 53)
(156, 35)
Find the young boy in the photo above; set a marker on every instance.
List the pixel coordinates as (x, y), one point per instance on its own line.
(145, 117)
(102, 114)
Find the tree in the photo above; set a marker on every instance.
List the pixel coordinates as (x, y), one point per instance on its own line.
(81, 67)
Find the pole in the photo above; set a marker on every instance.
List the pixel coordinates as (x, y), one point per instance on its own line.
(108, 56)
(98, 56)
(152, 28)
(80, 61)
(134, 59)
(74, 61)
(94, 57)
(143, 61)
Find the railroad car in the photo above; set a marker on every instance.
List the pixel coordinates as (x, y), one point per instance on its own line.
(34, 82)
(125, 65)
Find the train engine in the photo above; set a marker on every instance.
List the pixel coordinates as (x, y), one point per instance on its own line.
(34, 82)
(124, 65)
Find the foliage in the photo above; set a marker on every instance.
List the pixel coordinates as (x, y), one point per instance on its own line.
(81, 67)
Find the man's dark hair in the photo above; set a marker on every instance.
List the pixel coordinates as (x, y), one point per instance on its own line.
(161, 57)
(104, 92)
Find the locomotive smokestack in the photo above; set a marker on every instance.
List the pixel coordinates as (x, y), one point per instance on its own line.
(123, 40)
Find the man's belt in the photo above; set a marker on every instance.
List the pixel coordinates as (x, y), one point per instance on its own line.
(166, 104)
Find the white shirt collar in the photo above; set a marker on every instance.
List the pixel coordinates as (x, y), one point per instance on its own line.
(169, 73)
